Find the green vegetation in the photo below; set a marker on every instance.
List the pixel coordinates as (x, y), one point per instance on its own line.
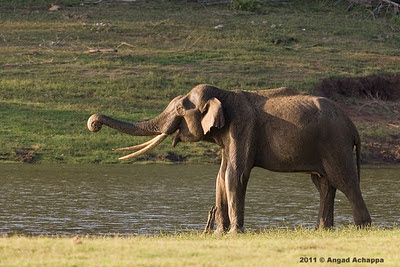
(270, 248)
(50, 83)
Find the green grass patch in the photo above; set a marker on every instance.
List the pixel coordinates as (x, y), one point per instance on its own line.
(269, 248)
(50, 84)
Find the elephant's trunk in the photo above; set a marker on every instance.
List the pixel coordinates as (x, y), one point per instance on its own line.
(143, 128)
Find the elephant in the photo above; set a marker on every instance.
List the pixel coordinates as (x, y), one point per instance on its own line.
(280, 130)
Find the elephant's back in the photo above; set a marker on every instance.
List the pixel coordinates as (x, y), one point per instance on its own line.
(299, 110)
(318, 117)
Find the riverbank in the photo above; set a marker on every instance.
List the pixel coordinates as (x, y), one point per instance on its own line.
(128, 59)
(270, 248)
(373, 104)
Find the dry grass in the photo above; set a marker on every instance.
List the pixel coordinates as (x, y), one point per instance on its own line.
(270, 248)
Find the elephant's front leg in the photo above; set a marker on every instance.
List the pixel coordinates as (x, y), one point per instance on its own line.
(236, 184)
(221, 202)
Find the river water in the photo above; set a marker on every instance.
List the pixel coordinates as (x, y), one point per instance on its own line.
(149, 199)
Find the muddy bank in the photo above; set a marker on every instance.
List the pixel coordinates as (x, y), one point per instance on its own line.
(373, 103)
(384, 87)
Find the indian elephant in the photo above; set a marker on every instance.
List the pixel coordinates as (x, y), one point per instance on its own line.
(278, 129)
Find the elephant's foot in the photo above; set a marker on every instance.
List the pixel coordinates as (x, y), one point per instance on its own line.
(324, 223)
(233, 231)
(361, 215)
(364, 221)
(219, 232)
(237, 230)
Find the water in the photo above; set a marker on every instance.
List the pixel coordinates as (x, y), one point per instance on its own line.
(148, 199)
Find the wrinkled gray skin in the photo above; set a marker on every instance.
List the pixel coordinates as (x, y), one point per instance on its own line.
(279, 130)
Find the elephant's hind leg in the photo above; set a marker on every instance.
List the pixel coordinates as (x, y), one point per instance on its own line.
(327, 198)
(346, 180)
(360, 212)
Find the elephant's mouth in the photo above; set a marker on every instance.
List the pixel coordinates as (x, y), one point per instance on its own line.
(176, 139)
(143, 148)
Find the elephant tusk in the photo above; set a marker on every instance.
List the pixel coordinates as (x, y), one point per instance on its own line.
(154, 142)
(137, 147)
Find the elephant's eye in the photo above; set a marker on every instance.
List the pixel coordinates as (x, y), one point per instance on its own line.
(180, 110)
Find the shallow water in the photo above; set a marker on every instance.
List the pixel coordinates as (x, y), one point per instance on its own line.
(146, 199)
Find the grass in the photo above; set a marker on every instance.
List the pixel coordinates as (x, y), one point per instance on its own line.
(50, 84)
(270, 248)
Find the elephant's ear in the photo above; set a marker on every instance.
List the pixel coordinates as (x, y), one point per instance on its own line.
(213, 115)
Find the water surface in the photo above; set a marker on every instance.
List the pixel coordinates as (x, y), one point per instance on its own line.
(147, 199)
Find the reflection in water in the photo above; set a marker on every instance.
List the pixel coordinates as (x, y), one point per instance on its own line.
(146, 199)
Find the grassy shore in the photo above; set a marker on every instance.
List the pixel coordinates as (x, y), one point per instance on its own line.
(270, 248)
(50, 82)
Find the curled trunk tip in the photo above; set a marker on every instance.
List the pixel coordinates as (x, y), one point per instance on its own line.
(142, 128)
(94, 123)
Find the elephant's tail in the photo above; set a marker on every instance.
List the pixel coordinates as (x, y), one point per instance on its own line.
(357, 143)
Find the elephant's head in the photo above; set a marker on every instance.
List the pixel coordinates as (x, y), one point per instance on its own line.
(191, 116)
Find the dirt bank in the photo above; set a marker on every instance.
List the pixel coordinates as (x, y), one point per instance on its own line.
(373, 103)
